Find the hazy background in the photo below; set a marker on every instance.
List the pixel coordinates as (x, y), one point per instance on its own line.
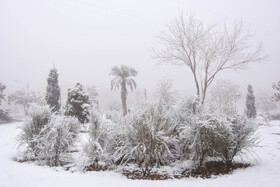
(84, 39)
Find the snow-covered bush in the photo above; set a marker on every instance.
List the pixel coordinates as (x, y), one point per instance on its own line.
(94, 148)
(46, 137)
(78, 103)
(151, 137)
(104, 135)
(212, 134)
(38, 118)
(56, 138)
(186, 108)
(238, 139)
(114, 116)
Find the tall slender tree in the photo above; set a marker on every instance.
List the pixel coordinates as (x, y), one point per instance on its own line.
(250, 103)
(121, 80)
(53, 90)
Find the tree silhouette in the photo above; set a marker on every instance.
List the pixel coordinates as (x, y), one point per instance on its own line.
(121, 80)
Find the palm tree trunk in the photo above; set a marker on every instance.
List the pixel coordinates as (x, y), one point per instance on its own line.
(123, 97)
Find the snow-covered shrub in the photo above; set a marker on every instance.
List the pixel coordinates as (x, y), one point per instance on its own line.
(103, 136)
(78, 103)
(213, 134)
(237, 137)
(186, 108)
(38, 118)
(114, 116)
(151, 137)
(47, 136)
(56, 138)
(194, 138)
(94, 148)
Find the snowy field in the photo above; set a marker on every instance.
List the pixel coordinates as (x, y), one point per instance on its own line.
(265, 172)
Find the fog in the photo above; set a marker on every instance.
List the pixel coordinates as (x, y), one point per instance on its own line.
(84, 39)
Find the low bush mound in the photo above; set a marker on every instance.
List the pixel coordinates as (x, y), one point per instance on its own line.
(47, 137)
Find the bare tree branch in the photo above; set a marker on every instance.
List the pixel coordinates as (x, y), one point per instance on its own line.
(206, 50)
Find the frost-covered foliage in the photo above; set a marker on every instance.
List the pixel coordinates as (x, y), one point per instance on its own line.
(114, 116)
(95, 147)
(114, 112)
(186, 108)
(53, 90)
(151, 137)
(39, 117)
(211, 133)
(78, 103)
(104, 136)
(47, 137)
(250, 103)
(165, 93)
(56, 138)
(93, 94)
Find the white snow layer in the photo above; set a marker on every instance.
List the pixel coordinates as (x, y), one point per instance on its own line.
(265, 172)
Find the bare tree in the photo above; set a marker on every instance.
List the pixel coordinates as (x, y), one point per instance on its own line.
(206, 50)
(20, 97)
(225, 94)
(265, 105)
(165, 93)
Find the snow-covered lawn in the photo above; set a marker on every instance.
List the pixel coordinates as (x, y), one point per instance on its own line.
(265, 172)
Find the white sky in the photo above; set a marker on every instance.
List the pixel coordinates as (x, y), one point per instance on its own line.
(86, 38)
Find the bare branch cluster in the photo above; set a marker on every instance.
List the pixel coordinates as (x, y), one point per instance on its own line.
(206, 50)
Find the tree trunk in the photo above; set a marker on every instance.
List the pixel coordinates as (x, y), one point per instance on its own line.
(197, 86)
(123, 97)
(204, 95)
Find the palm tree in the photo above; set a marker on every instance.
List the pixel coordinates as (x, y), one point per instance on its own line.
(121, 80)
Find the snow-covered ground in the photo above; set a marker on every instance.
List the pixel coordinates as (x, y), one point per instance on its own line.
(266, 171)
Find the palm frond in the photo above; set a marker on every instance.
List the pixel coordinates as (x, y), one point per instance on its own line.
(115, 83)
(131, 83)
